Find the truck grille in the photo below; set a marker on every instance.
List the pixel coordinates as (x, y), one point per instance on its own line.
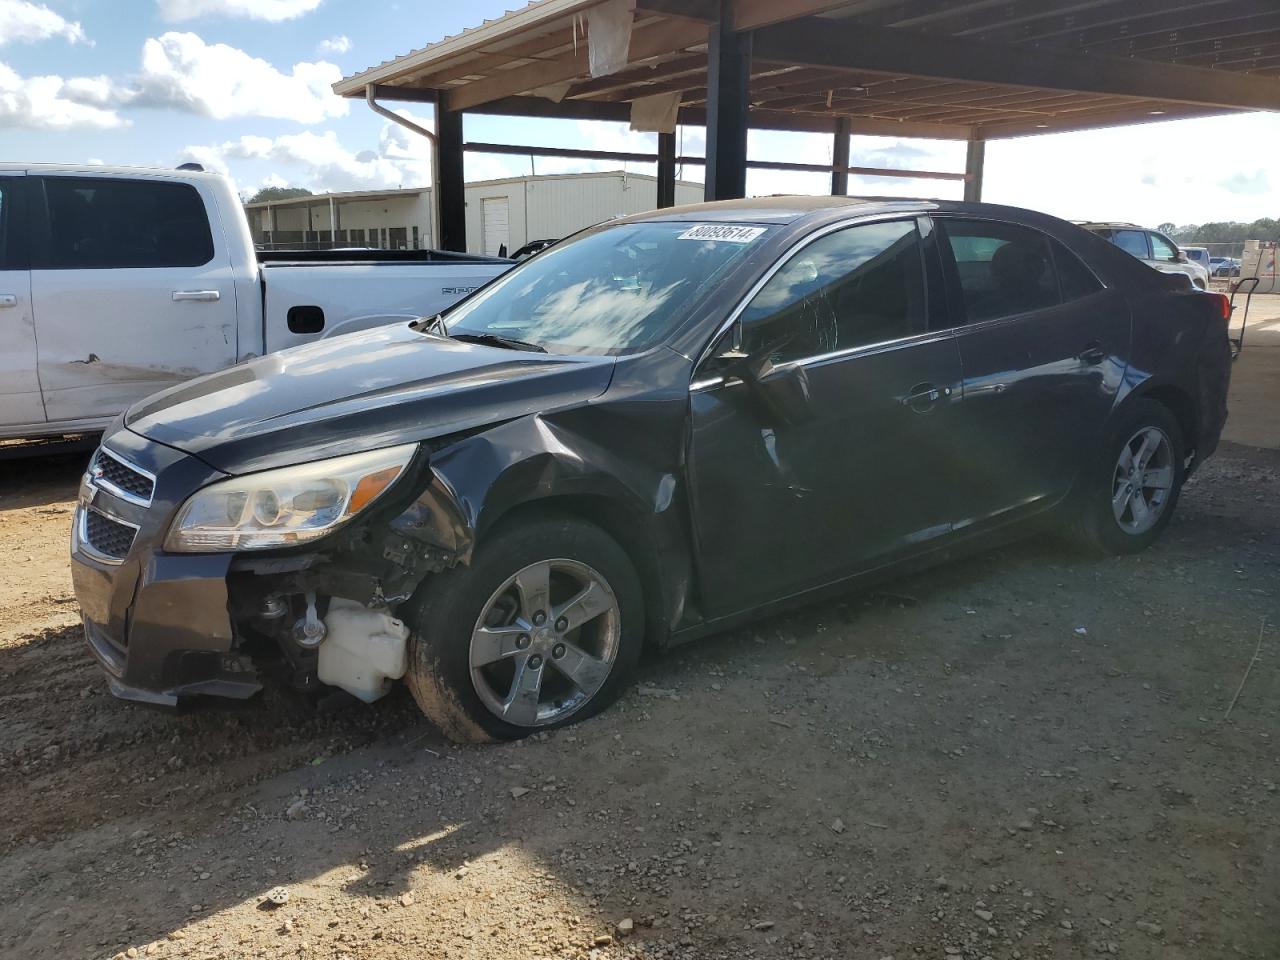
(114, 475)
(109, 538)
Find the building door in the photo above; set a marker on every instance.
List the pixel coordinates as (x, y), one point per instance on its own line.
(496, 229)
(19, 387)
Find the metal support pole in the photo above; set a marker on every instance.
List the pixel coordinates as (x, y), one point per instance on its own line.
(728, 80)
(271, 211)
(666, 170)
(840, 159)
(452, 203)
(974, 160)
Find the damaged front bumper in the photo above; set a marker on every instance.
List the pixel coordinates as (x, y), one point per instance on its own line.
(158, 623)
(166, 626)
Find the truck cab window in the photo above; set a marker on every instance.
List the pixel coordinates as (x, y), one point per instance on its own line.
(100, 223)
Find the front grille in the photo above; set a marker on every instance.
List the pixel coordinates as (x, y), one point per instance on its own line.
(114, 475)
(108, 537)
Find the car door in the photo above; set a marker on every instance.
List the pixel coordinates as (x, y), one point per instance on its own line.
(1042, 345)
(830, 461)
(134, 291)
(20, 403)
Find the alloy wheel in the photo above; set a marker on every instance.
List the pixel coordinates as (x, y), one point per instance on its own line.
(545, 642)
(1143, 481)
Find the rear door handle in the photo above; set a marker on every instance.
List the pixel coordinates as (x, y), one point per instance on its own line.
(1093, 353)
(8, 300)
(199, 296)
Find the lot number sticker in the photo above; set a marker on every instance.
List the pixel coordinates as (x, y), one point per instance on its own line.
(727, 233)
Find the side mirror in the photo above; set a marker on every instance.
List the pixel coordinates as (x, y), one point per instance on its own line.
(1181, 257)
(782, 390)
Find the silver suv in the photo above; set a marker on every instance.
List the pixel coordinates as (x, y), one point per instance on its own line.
(1152, 248)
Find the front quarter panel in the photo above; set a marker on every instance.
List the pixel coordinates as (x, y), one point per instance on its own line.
(617, 460)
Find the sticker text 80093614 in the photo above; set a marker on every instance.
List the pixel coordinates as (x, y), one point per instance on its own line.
(726, 232)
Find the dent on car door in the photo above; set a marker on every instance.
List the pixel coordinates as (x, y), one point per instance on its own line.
(820, 454)
(134, 292)
(20, 403)
(1042, 346)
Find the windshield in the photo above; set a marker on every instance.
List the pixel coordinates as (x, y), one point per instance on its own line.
(614, 289)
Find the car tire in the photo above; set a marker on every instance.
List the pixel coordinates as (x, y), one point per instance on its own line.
(1103, 518)
(1198, 283)
(497, 607)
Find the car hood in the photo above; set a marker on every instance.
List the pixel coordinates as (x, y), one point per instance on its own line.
(359, 392)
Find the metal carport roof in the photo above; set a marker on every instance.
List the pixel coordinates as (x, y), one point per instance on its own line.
(954, 69)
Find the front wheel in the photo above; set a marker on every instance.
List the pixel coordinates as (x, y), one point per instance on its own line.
(1127, 499)
(539, 631)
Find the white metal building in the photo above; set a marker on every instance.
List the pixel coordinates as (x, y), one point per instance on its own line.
(501, 214)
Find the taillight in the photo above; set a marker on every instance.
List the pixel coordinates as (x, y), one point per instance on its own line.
(1224, 305)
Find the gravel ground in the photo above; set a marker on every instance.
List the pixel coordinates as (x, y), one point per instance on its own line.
(1023, 755)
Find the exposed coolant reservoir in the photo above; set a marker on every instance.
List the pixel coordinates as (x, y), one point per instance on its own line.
(363, 650)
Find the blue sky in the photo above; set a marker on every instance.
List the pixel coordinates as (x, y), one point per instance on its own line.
(242, 86)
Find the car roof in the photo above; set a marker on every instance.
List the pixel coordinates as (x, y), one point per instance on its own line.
(101, 169)
(793, 209)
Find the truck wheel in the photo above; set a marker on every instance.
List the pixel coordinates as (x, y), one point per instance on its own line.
(541, 630)
(1127, 499)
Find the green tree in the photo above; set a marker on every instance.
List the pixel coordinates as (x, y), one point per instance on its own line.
(279, 193)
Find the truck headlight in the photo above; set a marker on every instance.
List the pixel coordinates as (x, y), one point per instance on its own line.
(278, 508)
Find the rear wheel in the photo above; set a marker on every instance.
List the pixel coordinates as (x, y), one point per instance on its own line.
(1127, 499)
(539, 631)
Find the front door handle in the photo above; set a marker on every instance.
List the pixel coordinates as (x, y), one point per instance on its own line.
(922, 397)
(199, 296)
(8, 300)
(1093, 353)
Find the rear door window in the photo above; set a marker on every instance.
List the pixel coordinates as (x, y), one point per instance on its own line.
(1074, 278)
(1132, 241)
(1001, 269)
(101, 223)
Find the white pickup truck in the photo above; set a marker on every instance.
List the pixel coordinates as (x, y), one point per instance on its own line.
(117, 282)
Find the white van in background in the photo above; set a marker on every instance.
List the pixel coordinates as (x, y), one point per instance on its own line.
(118, 282)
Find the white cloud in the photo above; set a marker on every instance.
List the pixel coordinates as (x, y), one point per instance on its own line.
(180, 70)
(321, 162)
(58, 103)
(21, 20)
(270, 10)
(338, 44)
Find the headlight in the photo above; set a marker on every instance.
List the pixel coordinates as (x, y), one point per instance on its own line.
(278, 508)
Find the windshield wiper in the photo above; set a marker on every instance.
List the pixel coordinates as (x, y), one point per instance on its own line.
(493, 340)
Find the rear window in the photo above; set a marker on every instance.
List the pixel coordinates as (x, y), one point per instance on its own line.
(99, 223)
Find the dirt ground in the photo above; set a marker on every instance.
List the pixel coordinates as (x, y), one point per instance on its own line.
(1024, 755)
